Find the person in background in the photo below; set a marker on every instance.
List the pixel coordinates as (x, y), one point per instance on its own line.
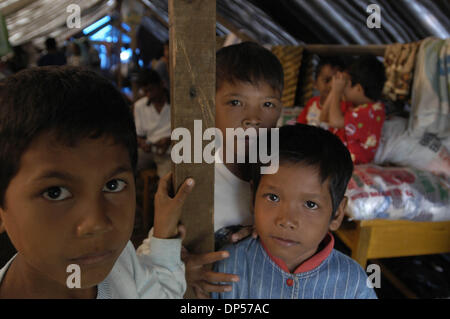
(52, 56)
(360, 125)
(75, 58)
(92, 58)
(153, 126)
(325, 70)
(162, 66)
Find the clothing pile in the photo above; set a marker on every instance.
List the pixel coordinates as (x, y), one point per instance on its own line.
(423, 140)
(399, 61)
(430, 93)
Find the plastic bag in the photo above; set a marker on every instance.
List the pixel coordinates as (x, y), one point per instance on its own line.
(399, 147)
(397, 193)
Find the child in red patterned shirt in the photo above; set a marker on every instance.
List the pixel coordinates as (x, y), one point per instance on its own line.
(363, 121)
(326, 69)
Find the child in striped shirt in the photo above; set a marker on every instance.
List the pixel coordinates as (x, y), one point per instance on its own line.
(295, 211)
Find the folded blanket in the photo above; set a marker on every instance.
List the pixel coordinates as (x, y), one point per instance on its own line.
(430, 94)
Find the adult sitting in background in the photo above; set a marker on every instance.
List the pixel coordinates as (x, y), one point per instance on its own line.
(75, 58)
(53, 56)
(92, 58)
(152, 118)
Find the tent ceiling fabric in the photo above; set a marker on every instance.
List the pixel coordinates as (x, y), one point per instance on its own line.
(41, 18)
(290, 22)
(282, 22)
(344, 21)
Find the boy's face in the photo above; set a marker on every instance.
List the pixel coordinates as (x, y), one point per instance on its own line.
(70, 205)
(293, 213)
(244, 105)
(323, 81)
(355, 93)
(154, 92)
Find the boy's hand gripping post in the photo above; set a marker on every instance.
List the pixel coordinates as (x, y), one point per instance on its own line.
(168, 209)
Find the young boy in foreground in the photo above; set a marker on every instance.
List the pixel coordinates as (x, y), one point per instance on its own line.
(295, 211)
(68, 154)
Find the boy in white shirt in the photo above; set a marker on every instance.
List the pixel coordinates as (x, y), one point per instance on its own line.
(249, 85)
(67, 193)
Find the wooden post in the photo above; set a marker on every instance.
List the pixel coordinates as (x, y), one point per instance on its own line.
(192, 77)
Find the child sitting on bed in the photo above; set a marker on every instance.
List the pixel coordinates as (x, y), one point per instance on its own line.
(359, 126)
(295, 211)
(68, 152)
(325, 70)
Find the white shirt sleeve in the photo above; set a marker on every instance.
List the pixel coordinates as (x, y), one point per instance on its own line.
(140, 131)
(166, 271)
(156, 274)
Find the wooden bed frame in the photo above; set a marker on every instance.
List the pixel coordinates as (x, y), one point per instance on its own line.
(381, 238)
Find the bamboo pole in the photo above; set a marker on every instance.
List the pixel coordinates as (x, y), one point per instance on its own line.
(349, 49)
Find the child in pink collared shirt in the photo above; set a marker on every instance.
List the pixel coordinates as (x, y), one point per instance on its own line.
(295, 210)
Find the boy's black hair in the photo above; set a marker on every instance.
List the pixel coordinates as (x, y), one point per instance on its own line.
(318, 148)
(333, 61)
(70, 102)
(148, 76)
(369, 72)
(249, 62)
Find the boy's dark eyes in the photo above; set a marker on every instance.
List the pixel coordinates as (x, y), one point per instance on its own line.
(59, 193)
(269, 104)
(311, 205)
(115, 186)
(56, 193)
(234, 102)
(272, 197)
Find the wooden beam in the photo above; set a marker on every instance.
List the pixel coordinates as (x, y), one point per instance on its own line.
(351, 49)
(192, 77)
